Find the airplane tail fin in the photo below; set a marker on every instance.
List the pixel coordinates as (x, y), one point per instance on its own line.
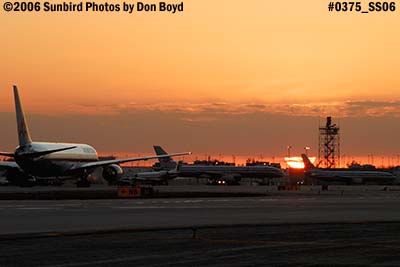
(307, 163)
(165, 162)
(24, 137)
(179, 166)
(160, 151)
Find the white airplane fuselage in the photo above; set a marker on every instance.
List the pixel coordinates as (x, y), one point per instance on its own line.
(356, 177)
(54, 164)
(245, 171)
(347, 176)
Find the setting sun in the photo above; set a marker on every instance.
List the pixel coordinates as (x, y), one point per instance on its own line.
(297, 162)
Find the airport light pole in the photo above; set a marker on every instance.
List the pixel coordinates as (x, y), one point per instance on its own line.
(306, 149)
(288, 156)
(288, 159)
(288, 151)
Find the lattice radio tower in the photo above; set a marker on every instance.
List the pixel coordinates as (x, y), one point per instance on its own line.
(329, 145)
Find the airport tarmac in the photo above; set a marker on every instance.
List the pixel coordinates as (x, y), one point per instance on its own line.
(29, 216)
(354, 245)
(360, 229)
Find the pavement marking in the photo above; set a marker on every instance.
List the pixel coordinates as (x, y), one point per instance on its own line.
(108, 261)
(193, 201)
(72, 264)
(160, 207)
(39, 208)
(140, 207)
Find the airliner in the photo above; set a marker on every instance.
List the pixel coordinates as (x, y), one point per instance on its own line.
(164, 170)
(217, 174)
(40, 160)
(166, 163)
(347, 176)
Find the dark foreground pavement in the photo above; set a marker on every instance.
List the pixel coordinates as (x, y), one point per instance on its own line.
(323, 244)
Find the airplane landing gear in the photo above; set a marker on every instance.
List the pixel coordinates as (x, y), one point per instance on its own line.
(82, 182)
(28, 181)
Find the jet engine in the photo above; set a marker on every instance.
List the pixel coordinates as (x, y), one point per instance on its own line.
(112, 173)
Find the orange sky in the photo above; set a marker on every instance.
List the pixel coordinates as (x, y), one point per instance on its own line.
(253, 51)
(217, 57)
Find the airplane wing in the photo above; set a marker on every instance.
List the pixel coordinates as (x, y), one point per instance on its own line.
(37, 153)
(7, 154)
(119, 161)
